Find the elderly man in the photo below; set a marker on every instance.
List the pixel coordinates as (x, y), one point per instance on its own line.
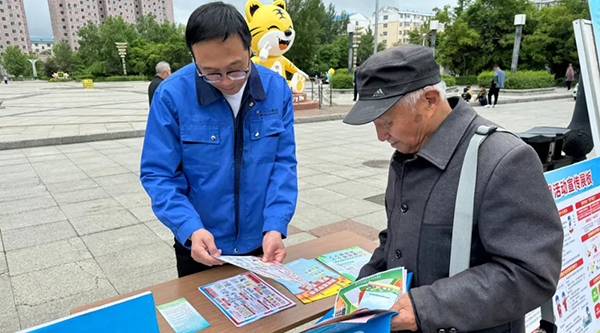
(517, 236)
(163, 70)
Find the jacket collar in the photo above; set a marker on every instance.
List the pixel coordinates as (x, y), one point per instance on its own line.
(207, 94)
(440, 147)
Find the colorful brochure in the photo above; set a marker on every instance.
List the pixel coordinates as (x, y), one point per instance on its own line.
(359, 321)
(245, 298)
(379, 296)
(321, 282)
(182, 316)
(347, 262)
(271, 270)
(348, 298)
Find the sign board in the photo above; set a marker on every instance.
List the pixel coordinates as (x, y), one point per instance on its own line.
(133, 314)
(88, 83)
(576, 303)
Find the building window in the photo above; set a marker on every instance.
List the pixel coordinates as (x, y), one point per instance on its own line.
(385, 25)
(60, 5)
(384, 42)
(385, 17)
(385, 33)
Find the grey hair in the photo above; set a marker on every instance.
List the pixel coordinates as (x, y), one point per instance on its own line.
(410, 100)
(162, 66)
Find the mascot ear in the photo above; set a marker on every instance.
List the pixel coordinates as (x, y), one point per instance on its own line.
(279, 3)
(251, 7)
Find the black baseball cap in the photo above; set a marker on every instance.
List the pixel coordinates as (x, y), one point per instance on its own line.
(387, 76)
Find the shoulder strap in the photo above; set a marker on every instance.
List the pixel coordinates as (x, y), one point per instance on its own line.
(462, 229)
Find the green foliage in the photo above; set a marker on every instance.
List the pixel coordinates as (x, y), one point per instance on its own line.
(122, 78)
(521, 80)
(50, 67)
(467, 80)
(365, 49)
(341, 81)
(449, 80)
(63, 57)
(343, 71)
(15, 62)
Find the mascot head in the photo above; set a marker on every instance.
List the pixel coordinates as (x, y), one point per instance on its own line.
(272, 24)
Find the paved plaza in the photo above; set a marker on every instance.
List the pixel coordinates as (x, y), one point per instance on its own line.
(76, 225)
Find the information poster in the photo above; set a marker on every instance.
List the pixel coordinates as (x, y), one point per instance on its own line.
(595, 15)
(576, 303)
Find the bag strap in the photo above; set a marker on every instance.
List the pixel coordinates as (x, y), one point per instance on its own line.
(462, 229)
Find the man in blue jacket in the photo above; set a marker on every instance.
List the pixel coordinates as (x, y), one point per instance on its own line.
(497, 83)
(219, 155)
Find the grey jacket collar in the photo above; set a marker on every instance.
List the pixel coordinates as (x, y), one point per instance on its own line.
(440, 147)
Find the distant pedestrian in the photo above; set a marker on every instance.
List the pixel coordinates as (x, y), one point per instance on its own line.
(163, 70)
(547, 68)
(569, 77)
(467, 94)
(497, 83)
(5, 79)
(354, 82)
(481, 96)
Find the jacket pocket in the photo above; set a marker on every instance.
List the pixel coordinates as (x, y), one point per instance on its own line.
(264, 137)
(201, 147)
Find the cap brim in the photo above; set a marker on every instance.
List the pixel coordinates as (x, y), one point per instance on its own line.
(365, 112)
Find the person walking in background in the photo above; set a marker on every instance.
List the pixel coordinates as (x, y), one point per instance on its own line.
(569, 77)
(354, 82)
(5, 79)
(497, 83)
(163, 70)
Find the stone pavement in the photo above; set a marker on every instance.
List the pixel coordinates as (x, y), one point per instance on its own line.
(76, 225)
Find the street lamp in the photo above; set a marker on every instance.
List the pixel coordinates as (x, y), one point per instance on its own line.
(122, 48)
(33, 61)
(519, 23)
(433, 26)
(424, 38)
(350, 30)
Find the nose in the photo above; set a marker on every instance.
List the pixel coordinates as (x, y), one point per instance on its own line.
(382, 134)
(288, 33)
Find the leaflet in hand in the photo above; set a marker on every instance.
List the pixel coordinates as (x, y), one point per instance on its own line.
(321, 282)
(347, 262)
(349, 297)
(359, 321)
(271, 270)
(379, 296)
(245, 298)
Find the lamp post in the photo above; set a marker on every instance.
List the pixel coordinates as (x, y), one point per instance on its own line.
(433, 26)
(424, 38)
(33, 61)
(350, 29)
(122, 48)
(376, 32)
(519, 23)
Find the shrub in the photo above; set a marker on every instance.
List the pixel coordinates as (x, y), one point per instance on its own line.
(467, 80)
(127, 78)
(80, 77)
(521, 80)
(341, 81)
(449, 80)
(343, 71)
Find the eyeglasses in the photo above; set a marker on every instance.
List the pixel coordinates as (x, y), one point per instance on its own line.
(218, 77)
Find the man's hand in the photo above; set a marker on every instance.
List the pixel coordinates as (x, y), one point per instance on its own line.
(405, 319)
(204, 248)
(273, 247)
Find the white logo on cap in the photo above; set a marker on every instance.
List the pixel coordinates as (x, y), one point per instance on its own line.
(378, 93)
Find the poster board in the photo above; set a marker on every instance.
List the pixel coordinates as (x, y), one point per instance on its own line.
(576, 303)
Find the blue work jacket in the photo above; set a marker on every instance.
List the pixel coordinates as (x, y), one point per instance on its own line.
(204, 168)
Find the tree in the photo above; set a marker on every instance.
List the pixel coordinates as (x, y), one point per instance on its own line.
(50, 67)
(63, 56)
(14, 61)
(460, 49)
(365, 48)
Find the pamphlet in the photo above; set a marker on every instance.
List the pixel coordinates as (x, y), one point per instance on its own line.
(347, 262)
(182, 316)
(321, 282)
(245, 298)
(379, 296)
(271, 270)
(348, 298)
(359, 321)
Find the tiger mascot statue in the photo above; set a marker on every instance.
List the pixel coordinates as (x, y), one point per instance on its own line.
(273, 35)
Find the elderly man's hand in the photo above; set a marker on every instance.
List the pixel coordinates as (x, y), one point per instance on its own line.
(405, 319)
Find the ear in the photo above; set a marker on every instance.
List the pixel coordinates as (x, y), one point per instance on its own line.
(251, 7)
(433, 99)
(279, 3)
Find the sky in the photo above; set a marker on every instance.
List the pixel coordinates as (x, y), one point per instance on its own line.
(38, 16)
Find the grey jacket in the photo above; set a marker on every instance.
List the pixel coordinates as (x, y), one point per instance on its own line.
(517, 237)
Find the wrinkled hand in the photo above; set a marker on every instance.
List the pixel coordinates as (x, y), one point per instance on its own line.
(405, 319)
(273, 247)
(264, 53)
(204, 249)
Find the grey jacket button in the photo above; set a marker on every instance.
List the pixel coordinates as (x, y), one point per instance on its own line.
(453, 330)
(404, 208)
(441, 330)
(398, 254)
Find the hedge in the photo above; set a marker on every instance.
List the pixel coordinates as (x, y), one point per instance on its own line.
(467, 80)
(449, 80)
(341, 81)
(521, 80)
(341, 71)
